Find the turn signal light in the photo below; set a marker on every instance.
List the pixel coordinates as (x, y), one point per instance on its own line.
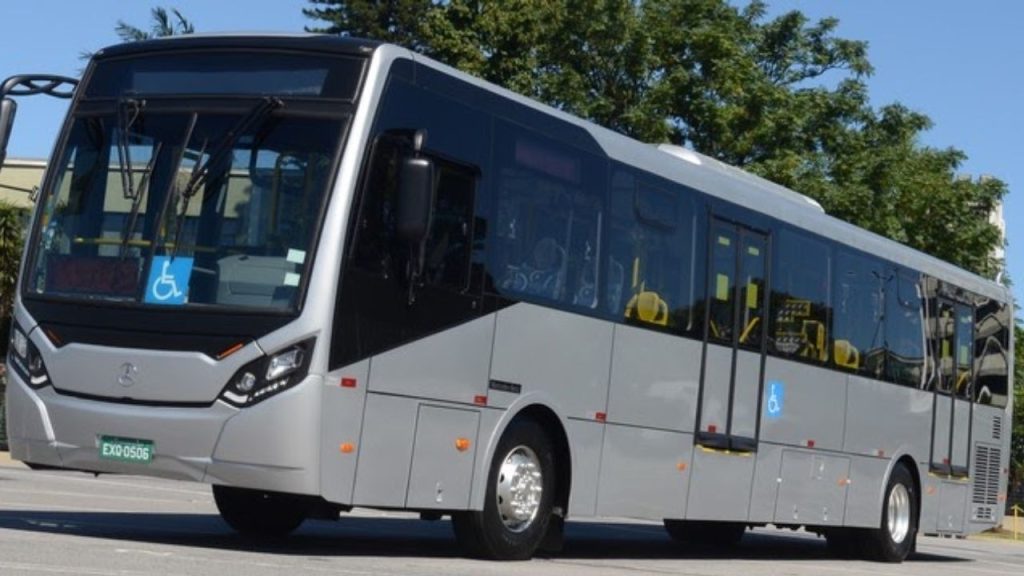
(462, 444)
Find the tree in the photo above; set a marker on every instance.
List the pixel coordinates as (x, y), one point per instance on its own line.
(784, 98)
(163, 25)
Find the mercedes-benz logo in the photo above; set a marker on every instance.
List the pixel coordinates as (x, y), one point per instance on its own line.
(126, 375)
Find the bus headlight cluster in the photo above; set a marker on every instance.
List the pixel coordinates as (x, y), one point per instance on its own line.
(269, 375)
(26, 361)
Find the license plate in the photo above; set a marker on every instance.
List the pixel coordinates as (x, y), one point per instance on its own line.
(126, 449)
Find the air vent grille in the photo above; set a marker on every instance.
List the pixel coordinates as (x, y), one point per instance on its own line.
(997, 428)
(986, 475)
(983, 514)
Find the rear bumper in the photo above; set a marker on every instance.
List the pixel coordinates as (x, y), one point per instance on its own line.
(272, 446)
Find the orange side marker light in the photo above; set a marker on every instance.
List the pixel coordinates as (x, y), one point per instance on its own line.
(347, 448)
(462, 444)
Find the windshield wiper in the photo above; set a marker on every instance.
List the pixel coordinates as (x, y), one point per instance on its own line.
(201, 170)
(128, 111)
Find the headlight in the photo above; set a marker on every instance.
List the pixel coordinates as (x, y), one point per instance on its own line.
(25, 359)
(269, 375)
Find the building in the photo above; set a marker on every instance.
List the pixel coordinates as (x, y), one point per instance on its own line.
(18, 179)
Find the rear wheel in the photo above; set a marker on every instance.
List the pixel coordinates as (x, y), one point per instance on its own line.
(519, 500)
(894, 540)
(705, 533)
(260, 514)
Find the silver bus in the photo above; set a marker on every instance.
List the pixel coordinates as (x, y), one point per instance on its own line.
(320, 273)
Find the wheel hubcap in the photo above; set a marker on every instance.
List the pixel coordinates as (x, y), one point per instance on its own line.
(899, 513)
(519, 489)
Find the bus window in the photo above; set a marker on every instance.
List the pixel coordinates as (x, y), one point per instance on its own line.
(448, 246)
(800, 305)
(650, 254)
(964, 351)
(991, 352)
(721, 303)
(549, 216)
(904, 331)
(858, 343)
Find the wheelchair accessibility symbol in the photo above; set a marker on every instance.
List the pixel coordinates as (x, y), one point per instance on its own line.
(775, 395)
(168, 280)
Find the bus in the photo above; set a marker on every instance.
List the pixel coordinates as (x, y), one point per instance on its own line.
(320, 273)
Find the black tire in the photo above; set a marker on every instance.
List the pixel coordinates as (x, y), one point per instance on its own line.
(705, 533)
(260, 514)
(488, 533)
(894, 540)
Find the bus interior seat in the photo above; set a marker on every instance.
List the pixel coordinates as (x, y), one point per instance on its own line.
(749, 329)
(648, 307)
(813, 333)
(846, 354)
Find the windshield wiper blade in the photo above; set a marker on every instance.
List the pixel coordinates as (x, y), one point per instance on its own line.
(200, 173)
(128, 111)
(133, 216)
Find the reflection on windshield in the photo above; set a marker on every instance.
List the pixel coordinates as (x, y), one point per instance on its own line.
(128, 220)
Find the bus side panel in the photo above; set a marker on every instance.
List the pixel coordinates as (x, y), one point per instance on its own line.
(644, 473)
(566, 356)
(344, 398)
(812, 490)
(864, 494)
(585, 437)
(809, 407)
(449, 366)
(720, 486)
(765, 490)
(385, 453)
(883, 419)
(655, 379)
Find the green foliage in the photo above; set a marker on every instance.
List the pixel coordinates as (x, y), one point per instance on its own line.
(163, 25)
(11, 238)
(784, 98)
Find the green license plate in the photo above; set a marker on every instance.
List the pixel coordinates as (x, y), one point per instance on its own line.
(126, 449)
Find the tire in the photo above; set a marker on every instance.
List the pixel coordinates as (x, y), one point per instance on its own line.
(705, 533)
(894, 539)
(259, 514)
(519, 499)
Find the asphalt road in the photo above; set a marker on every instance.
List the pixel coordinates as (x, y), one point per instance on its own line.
(72, 523)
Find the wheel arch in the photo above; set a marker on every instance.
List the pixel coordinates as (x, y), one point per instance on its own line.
(541, 409)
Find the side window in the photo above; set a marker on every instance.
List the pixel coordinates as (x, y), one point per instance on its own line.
(546, 238)
(963, 380)
(650, 245)
(447, 252)
(944, 346)
(800, 298)
(721, 292)
(858, 343)
(450, 242)
(904, 330)
(992, 353)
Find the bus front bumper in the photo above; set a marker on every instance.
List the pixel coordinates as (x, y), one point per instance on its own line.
(273, 445)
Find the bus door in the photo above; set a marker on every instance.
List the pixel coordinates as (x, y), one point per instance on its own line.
(951, 414)
(735, 335)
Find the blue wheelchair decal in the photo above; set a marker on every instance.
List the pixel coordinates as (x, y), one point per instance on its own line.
(168, 280)
(774, 401)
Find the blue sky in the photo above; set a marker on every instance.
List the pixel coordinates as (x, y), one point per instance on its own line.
(958, 63)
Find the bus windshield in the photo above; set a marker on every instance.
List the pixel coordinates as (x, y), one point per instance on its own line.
(156, 204)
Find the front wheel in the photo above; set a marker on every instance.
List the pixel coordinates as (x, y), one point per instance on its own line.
(894, 540)
(519, 500)
(260, 514)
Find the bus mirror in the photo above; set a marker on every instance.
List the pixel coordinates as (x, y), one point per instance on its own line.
(415, 199)
(7, 109)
